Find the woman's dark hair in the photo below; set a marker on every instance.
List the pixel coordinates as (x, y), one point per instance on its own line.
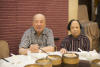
(71, 21)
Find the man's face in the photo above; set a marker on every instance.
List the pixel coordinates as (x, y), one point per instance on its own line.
(39, 23)
(75, 29)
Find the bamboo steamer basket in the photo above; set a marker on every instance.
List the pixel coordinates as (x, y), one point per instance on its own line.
(95, 63)
(44, 62)
(70, 58)
(55, 59)
(32, 65)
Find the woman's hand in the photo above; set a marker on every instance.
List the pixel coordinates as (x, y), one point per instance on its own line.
(63, 50)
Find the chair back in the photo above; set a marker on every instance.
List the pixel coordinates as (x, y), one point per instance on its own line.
(4, 49)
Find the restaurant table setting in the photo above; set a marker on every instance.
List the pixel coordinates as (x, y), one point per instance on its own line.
(31, 58)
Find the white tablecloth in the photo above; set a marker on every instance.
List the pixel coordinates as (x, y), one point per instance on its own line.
(22, 60)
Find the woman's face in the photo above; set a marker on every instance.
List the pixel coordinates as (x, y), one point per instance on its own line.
(75, 28)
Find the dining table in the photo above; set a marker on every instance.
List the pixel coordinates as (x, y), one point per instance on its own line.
(30, 58)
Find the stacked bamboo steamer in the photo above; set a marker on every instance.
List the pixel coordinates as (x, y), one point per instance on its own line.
(70, 60)
(44, 62)
(49, 61)
(56, 60)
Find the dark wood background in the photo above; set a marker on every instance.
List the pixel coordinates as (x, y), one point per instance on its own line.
(16, 17)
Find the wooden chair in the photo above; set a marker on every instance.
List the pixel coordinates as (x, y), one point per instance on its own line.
(4, 49)
(91, 28)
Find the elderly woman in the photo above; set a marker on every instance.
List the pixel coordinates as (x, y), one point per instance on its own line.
(76, 39)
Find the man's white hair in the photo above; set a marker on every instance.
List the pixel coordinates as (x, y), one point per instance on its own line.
(39, 15)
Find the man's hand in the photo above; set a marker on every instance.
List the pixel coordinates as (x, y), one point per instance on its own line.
(63, 50)
(34, 48)
(48, 49)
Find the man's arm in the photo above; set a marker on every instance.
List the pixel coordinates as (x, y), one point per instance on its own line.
(48, 48)
(23, 51)
(23, 46)
(34, 48)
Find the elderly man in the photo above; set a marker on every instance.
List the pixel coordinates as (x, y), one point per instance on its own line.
(37, 37)
(76, 39)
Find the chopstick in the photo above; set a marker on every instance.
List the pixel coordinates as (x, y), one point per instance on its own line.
(43, 51)
(5, 59)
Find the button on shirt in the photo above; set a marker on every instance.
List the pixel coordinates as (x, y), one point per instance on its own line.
(30, 37)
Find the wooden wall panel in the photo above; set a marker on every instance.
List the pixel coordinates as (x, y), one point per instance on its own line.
(16, 17)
